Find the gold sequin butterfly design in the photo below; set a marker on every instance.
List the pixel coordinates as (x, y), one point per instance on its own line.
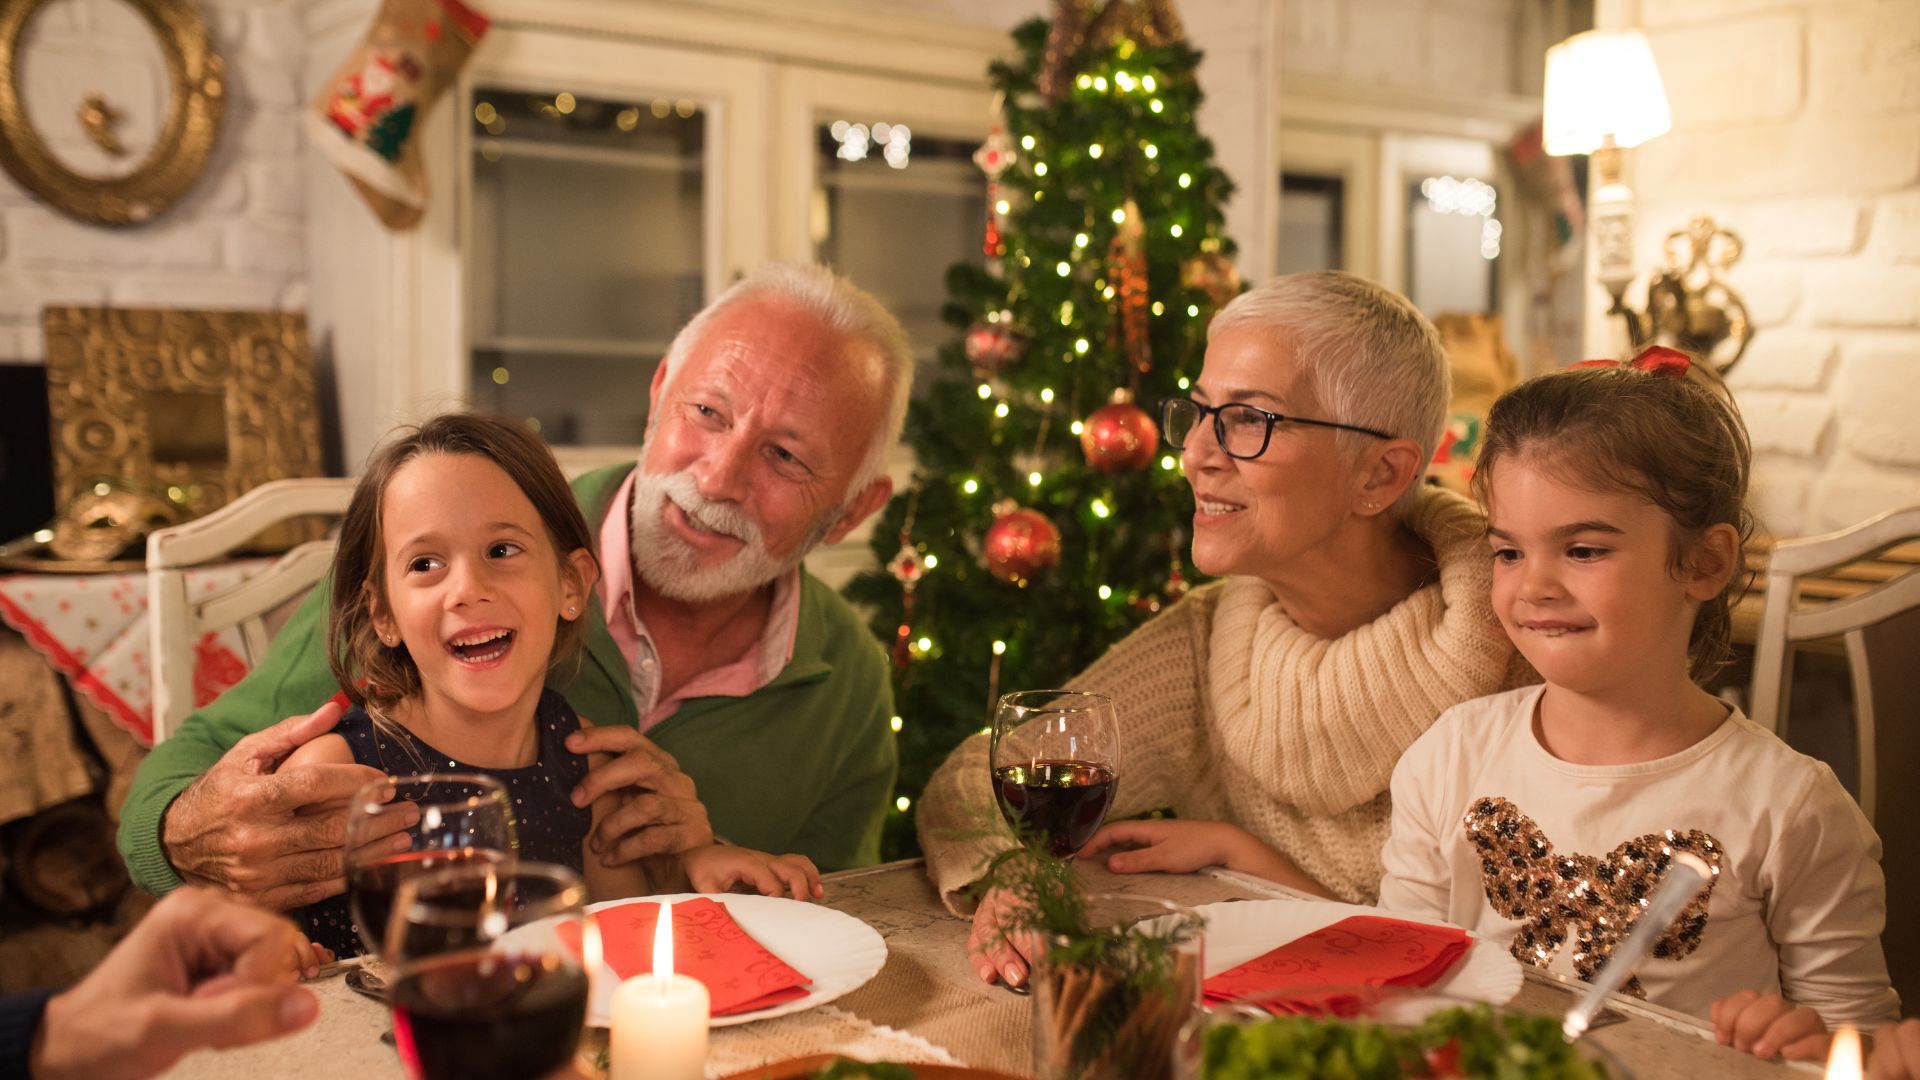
(1594, 900)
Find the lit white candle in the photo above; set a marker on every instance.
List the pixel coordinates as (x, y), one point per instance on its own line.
(660, 1020)
(1843, 1061)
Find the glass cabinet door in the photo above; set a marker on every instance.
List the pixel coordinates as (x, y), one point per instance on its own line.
(893, 210)
(610, 188)
(588, 248)
(1312, 222)
(878, 182)
(1453, 244)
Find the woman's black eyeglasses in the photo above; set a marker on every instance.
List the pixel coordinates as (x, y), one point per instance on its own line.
(1242, 430)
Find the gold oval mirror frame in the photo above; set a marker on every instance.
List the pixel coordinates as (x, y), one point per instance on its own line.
(179, 152)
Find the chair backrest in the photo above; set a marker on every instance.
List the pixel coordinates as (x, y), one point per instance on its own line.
(178, 621)
(1876, 623)
(1880, 625)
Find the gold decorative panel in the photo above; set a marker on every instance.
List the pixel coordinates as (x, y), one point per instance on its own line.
(201, 406)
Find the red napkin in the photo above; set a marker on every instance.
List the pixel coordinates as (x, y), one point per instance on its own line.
(1366, 951)
(739, 973)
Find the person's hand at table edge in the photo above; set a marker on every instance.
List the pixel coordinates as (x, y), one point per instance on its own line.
(200, 970)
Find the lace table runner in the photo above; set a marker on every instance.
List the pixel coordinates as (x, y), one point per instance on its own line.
(825, 1030)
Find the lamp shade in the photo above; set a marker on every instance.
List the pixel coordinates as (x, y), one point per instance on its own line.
(1603, 83)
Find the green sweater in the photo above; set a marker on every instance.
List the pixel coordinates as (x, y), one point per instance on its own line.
(804, 764)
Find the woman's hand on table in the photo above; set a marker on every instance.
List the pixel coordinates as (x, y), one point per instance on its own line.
(1768, 1025)
(1173, 846)
(1896, 1052)
(999, 953)
(1166, 845)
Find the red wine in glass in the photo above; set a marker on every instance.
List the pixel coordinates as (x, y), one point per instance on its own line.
(458, 818)
(1052, 761)
(484, 987)
(1062, 801)
(371, 885)
(481, 1015)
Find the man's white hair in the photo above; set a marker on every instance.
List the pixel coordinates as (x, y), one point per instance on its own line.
(1368, 355)
(843, 308)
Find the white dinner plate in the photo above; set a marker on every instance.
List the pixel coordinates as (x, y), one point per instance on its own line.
(1239, 930)
(834, 950)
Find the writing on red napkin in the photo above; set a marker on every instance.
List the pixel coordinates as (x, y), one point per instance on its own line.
(739, 973)
(1361, 951)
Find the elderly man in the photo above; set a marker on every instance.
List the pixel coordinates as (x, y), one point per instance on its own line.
(738, 695)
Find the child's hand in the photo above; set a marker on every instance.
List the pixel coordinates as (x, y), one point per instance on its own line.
(1766, 1025)
(1164, 845)
(1896, 1052)
(722, 867)
(309, 958)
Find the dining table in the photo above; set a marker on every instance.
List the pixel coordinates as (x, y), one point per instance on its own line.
(927, 1006)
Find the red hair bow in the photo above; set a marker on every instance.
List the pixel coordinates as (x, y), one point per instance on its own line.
(1657, 360)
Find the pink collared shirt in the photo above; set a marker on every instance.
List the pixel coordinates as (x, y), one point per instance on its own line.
(754, 669)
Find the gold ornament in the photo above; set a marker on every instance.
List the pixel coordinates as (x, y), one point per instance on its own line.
(1162, 23)
(1150, 22)
(1127, 271)
(1063, 46)
(1213, 274)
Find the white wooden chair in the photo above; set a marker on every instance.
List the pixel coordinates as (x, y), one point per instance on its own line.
(178, 621)
(1881, 629)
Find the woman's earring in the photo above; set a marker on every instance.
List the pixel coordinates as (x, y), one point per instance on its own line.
(572, 611)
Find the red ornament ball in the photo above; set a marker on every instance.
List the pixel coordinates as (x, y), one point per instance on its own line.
(1119, 437)
(1021, 544)
(993, 345)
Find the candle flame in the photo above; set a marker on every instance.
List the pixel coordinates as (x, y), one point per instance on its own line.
(590, 954)
(1843, 1061)
(663, 944)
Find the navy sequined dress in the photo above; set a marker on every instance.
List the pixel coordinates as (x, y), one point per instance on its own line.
(547, 825)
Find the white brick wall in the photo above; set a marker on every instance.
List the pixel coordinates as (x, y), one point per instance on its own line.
(234, 241)
(1797, 124)
(1452, 46)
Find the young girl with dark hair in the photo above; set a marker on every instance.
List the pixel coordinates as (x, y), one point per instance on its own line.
(1541, 818)
(463, 568)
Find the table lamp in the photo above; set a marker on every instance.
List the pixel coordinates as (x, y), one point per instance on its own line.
(1604, 95)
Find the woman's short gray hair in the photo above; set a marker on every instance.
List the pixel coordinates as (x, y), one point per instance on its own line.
(847, 310)
(1365, 351)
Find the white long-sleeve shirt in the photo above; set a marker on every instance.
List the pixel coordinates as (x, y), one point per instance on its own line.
(1493, 833)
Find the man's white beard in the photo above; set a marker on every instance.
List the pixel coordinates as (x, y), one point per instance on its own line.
(670, 566)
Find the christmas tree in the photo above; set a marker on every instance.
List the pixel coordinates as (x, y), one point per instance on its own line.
(1046, 520)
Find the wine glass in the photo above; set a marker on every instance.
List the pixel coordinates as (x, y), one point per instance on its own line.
(464, 817)
(1053, 758)
(485, 986)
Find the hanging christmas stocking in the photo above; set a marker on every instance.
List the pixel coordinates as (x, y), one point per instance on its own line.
(367, 114)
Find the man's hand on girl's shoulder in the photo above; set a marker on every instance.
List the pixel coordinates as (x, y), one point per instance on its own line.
(262, 827)
(661, 813)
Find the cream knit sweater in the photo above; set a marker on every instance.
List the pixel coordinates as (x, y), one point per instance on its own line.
(1228, 711)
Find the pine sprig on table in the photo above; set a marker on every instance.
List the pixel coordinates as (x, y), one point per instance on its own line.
(1114, 998)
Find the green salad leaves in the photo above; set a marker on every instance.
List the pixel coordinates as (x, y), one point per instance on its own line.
(1455, 1042)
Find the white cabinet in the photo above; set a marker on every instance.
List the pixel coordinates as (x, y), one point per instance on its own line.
(603, 168)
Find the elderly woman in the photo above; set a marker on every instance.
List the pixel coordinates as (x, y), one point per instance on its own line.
(1268, 709)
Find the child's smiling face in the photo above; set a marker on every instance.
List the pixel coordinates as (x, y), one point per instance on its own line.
(473, 585)
(1584, 581)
